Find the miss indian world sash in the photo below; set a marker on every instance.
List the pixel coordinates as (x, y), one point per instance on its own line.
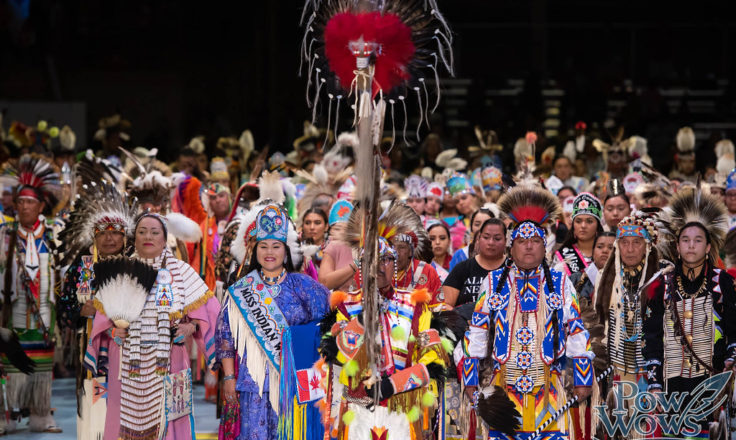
(257, 304)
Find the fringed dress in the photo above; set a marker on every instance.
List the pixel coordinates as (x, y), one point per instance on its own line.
(301, 300)
(134, 401)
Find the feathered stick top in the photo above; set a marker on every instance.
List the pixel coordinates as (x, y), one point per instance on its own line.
(151, 183)
(403, 41)
(692, 207)
(98, 207)
(33, 176)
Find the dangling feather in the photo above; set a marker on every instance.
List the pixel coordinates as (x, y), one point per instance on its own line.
(11, 348)
(499, 412)
(123, 284)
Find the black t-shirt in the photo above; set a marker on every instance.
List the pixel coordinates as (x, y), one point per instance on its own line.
(467, 277)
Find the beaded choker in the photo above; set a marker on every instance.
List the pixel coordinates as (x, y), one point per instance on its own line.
(272, 280)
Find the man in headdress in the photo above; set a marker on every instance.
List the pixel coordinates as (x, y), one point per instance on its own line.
(411, 272)
(412, 353)
(633, 264)
(531, 317)
(28, 277)
(688, 327)
(96, 230)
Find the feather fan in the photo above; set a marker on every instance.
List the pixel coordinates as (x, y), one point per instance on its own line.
(11, 348)
(123, 284)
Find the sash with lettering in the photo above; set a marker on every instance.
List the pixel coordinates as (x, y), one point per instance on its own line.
(573, 259)
(257, 323)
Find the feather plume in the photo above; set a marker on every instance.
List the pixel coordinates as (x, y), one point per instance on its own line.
(123, 284)
(724, 147)
(67, 138)
(269, 187)
(183, 228)
(692, 206)
(685, 140)
(499, 412)
(247, 146)
(197, 144)
(443, 159)
(725, 164)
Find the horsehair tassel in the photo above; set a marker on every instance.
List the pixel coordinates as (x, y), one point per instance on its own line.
(556, 415)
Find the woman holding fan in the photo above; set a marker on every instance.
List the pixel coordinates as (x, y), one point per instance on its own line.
(144, 354)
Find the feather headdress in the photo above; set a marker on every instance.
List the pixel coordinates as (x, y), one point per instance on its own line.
(91, 169)
(98, 207)
(524, 203)
(403, 41)
(692, 206)
(150, 181)
(398, 219)
(34, 174)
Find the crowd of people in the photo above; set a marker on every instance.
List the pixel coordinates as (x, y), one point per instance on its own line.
(505, 291)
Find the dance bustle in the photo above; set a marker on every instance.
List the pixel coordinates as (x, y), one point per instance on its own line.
(123, 284)
(499, 412)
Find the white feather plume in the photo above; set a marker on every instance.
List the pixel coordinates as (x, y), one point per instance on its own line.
(197, 144)
(685, 139)
(269, 187)
(723, 147)
(67, 138)
(444, 158)
(183, 228)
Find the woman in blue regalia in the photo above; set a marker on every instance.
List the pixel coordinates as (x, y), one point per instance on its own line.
(269, 301)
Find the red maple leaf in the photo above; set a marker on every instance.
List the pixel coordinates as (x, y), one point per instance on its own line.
(314, 382)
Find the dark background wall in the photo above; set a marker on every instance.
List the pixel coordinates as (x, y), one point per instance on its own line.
(177, 69)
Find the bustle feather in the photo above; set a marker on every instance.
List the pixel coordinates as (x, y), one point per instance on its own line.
(499, 412)
(397, 219)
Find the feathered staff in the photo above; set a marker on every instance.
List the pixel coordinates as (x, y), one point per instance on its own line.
(373, 51)
(398, 45)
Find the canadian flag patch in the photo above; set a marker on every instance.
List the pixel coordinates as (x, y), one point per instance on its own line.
(308, 385)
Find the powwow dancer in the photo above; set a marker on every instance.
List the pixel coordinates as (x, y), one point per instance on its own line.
(527, 320)
(29, 277)
(688, 327)
(97, 229)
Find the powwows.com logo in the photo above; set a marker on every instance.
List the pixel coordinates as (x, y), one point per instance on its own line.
(679, 415)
